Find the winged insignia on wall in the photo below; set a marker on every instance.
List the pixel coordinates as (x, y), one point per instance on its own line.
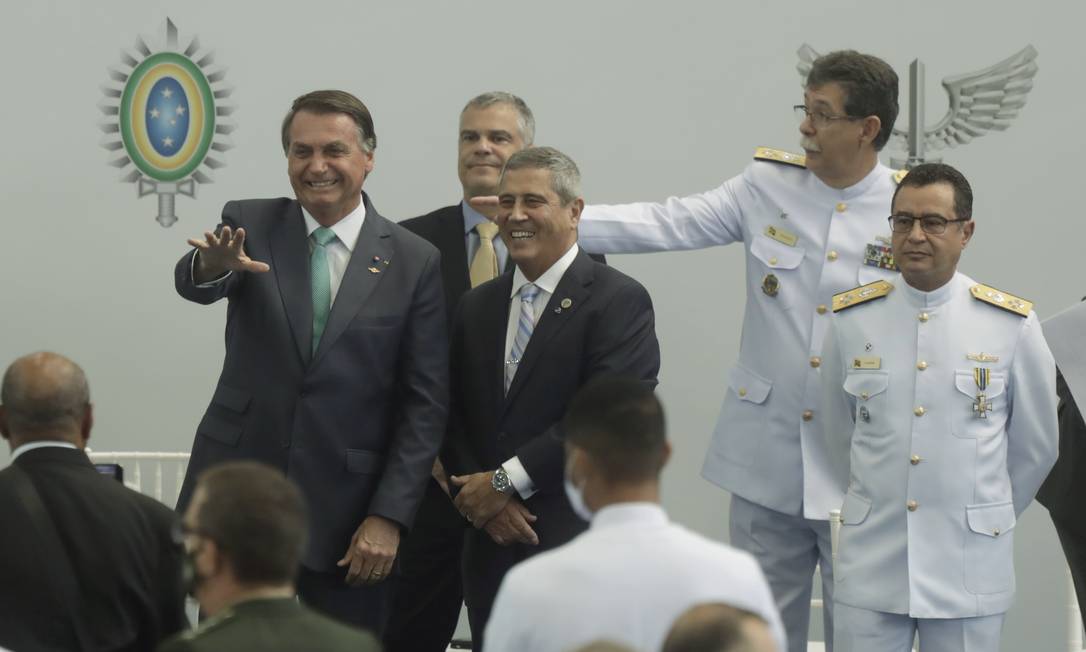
(979, 102)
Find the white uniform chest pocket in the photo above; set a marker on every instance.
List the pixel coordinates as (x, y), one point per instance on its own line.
(979, 413)
(777, 272)
(868, 390)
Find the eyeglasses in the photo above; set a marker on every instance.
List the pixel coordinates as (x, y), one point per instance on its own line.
(931, 224)
(818, 118)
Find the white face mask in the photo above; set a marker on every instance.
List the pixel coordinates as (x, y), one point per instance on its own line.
(575, 495)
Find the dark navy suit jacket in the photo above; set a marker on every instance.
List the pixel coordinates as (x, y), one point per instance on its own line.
(357, 424)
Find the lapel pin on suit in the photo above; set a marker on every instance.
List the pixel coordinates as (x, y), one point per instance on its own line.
(566, 303)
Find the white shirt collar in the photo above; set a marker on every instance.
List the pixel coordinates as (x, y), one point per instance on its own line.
(618, 514)
(346, 230)
(549, 279)
(29, 446)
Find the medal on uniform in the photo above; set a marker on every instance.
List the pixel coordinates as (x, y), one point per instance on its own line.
(981, 376)
(770, 285)
(879, 255)
(865, 416)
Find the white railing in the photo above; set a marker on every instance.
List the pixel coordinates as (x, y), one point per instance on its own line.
(134, 463)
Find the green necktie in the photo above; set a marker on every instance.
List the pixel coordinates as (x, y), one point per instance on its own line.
(320, 281)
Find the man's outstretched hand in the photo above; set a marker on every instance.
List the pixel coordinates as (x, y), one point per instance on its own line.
(224, 253)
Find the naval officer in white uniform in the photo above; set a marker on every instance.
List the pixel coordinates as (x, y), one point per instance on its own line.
(812, 226)
(940, 403)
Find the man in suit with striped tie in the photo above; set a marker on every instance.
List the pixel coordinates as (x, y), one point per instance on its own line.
(521, 346)
(427, 591)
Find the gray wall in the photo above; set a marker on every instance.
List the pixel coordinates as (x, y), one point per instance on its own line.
(651, 99)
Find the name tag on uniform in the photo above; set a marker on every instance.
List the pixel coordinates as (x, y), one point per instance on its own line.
(780, 235)
(867, 362)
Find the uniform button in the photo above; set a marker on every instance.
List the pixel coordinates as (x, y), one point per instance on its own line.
(773, 261)
(912, 505)
(864, 395)
(922, 365)
(808, 415)
(742, 391)
(919, 411)
(914, 460)
(821, 309)
(995, 532)
(923, 316)
(832, 256)
(842, 207)
(816, 362)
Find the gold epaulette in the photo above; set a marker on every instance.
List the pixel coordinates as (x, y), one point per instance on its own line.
(899, 175)
(862, 294)
(780, 156)
(999, 299)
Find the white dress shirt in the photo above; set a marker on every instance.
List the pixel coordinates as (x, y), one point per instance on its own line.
(339, 250)
(29, 446)
(624, 580)
(547, 283)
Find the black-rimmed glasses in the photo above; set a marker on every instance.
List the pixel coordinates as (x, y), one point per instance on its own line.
(930, 224)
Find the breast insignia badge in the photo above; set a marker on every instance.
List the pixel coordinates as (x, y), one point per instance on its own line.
(770, 285)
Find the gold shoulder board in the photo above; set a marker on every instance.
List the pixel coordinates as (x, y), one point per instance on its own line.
(899, 175)
(1000, 299)
(862, 294)
(780, 156)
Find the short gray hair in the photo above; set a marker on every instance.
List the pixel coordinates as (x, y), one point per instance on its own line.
(565, 177)
(44, 393)
(525, 119)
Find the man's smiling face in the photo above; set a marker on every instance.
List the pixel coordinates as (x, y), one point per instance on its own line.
(326, 164)
(536, 226)
(488, 137)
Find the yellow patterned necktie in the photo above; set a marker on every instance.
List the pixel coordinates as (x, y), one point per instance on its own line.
(484, 265)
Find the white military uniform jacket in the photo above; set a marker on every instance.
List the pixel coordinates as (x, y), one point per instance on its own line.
(805, 242)
(625, 580)
(934, 488)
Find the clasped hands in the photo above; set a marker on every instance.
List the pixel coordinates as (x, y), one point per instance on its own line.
(504, 517)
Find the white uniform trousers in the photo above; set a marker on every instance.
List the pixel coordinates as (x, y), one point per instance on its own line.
(862, 630)
(788, 547)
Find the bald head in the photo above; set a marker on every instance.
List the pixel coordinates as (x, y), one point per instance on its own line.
(719, 628)
(45, 397)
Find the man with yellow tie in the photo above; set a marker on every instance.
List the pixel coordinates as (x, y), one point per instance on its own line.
(427, 590)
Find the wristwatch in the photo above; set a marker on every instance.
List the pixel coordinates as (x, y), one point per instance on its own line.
(501, 482)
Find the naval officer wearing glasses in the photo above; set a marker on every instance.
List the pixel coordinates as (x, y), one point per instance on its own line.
(812, 226)
(940, 406)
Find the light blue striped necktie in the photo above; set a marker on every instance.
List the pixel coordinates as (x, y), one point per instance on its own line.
(525, 326)
(320, 281)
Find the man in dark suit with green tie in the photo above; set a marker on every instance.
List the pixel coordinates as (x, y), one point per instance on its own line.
(336, 354)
